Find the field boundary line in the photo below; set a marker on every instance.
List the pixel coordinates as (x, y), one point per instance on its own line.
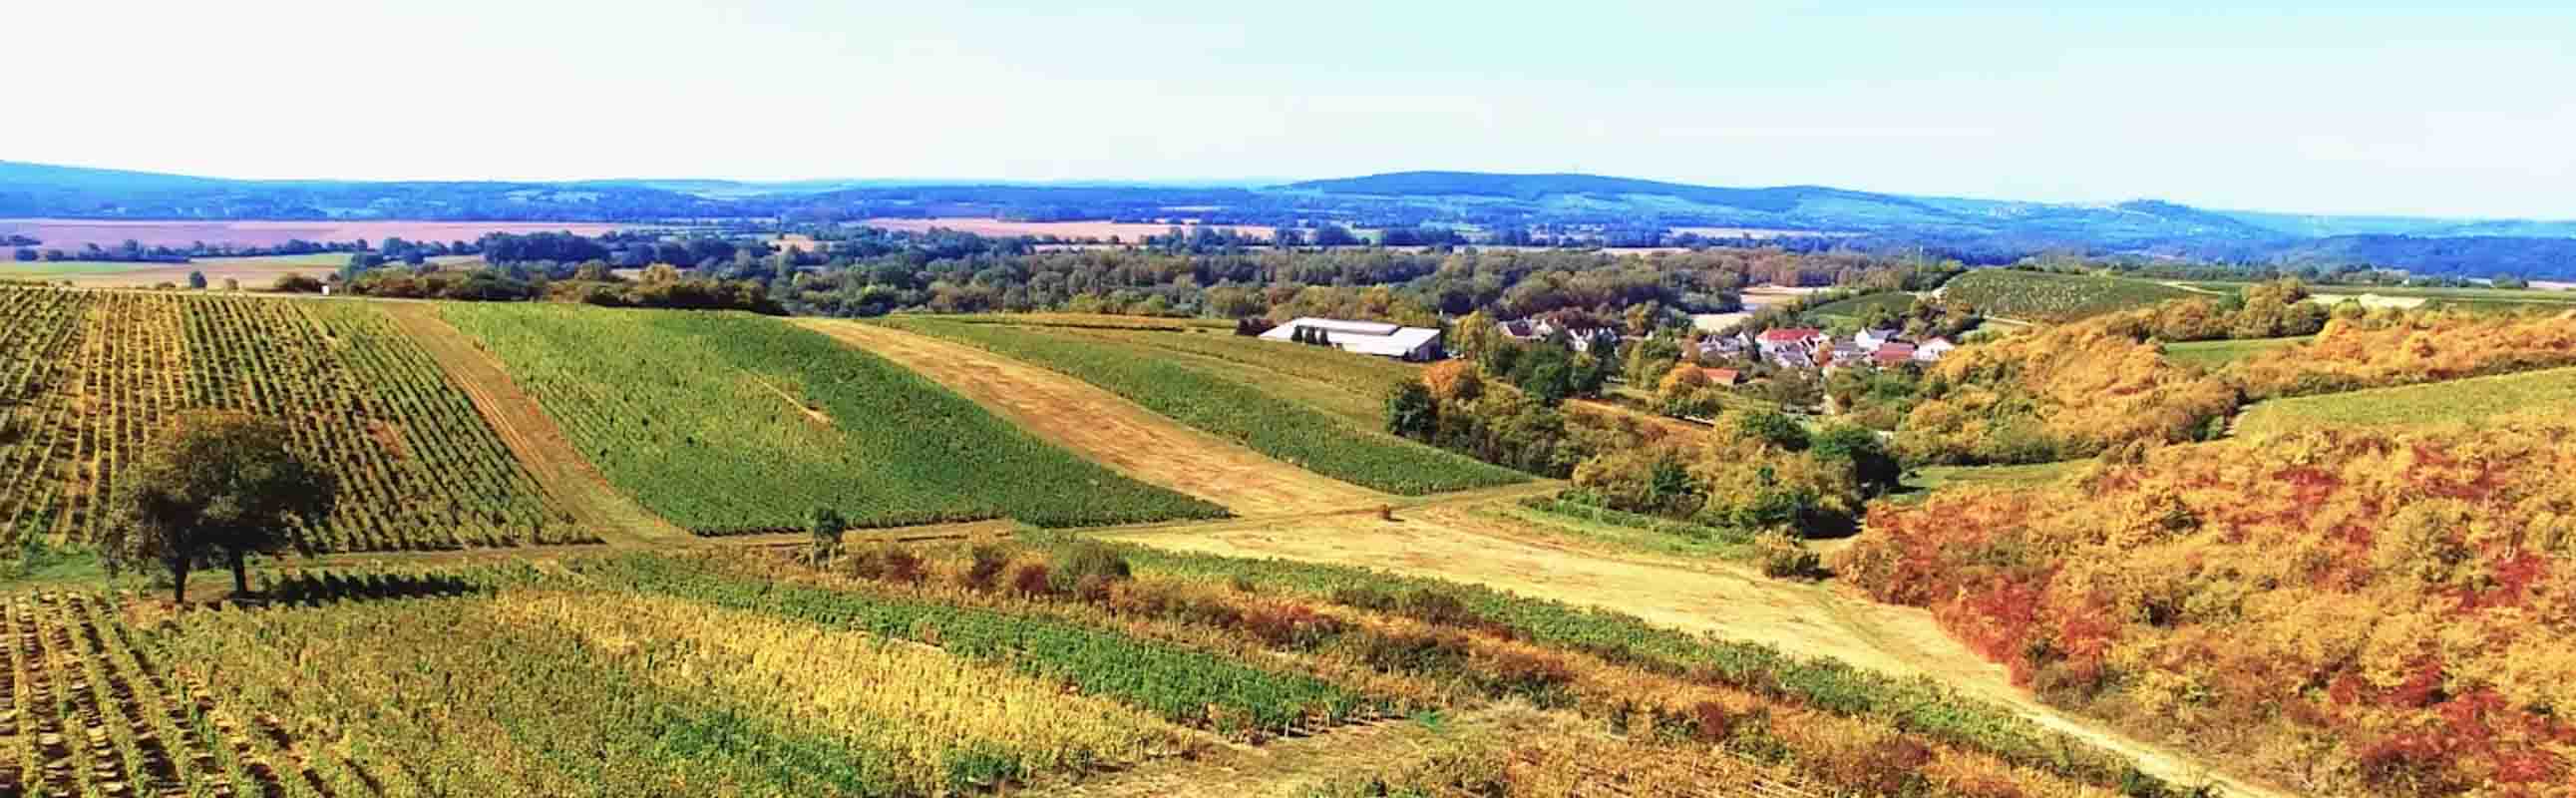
(1098, 425)
(561, 470)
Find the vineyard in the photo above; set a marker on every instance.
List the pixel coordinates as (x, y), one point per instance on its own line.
(2047, 297)
(94, 375)
(1233, 408)
(729, 423)
(941, 670)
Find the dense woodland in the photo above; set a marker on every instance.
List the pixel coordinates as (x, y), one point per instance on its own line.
(870, 272)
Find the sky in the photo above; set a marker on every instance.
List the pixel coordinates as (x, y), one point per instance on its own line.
(2455, 109)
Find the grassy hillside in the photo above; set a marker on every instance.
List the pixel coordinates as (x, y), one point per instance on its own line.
(2457, 400)
(2046, 297)
(91, 377)
(2212, 355)
(733, 423)
(1230, 406)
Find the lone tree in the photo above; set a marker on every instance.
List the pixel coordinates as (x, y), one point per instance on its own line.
(826, 524)
(218, 487)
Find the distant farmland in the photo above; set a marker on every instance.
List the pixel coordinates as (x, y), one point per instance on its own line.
(1129, 232)
(254, 273)
(69, 234)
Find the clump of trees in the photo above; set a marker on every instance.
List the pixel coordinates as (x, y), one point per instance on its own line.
(1753, 471)
(2274, 309)
(2060, 393)
(2382, 348)
(659, 286)
(215, 489)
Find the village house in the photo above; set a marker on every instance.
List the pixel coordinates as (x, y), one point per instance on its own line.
(1931, 350)
(1725, 347)
(1893, 354)
(1873, 339)
(1419, 344)
(1846, 353)
(1527, 330)
(1803, 341)
(1726, 377)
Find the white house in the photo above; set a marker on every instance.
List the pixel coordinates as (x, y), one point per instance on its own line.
(1873, 339)
(1931, 350)
(1366, 337)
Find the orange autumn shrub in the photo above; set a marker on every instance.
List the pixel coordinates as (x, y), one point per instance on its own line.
(2405, 348)
(2350, 612)
(2069, 391)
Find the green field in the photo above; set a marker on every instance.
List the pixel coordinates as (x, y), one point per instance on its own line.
(1631, 531)
(2429, 403)
(1351, 386)
(2213, 354)
(729, 423)
(1231, 405)
(2047, 297)
(1922, 482)
(1849, 311)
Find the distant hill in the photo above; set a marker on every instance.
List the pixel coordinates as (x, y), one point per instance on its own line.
(1615, 209)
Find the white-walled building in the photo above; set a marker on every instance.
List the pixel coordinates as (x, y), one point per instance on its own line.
(1367, 337)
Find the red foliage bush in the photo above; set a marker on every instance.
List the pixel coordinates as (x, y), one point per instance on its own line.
(2411, 593)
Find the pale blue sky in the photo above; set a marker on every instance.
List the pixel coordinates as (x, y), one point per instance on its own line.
(2456, 109)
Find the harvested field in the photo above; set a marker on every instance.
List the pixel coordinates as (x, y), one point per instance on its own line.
(1107, 429)
(254, 273)
(1129, 232)
(69, 234)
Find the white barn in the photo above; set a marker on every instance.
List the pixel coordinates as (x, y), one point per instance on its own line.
(1367, 337)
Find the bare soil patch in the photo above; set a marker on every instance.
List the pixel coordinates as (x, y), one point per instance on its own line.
(1108, 429)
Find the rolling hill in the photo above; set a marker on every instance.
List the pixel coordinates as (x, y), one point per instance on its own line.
(1986, 230)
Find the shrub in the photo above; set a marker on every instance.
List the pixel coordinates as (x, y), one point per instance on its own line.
(1030, 580)
(296, 284)
(985, 564)
(1088, 562)
(1783, 557)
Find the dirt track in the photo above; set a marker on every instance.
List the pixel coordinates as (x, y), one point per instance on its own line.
(1107, 429)
(1456, 543)
(524, 427)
